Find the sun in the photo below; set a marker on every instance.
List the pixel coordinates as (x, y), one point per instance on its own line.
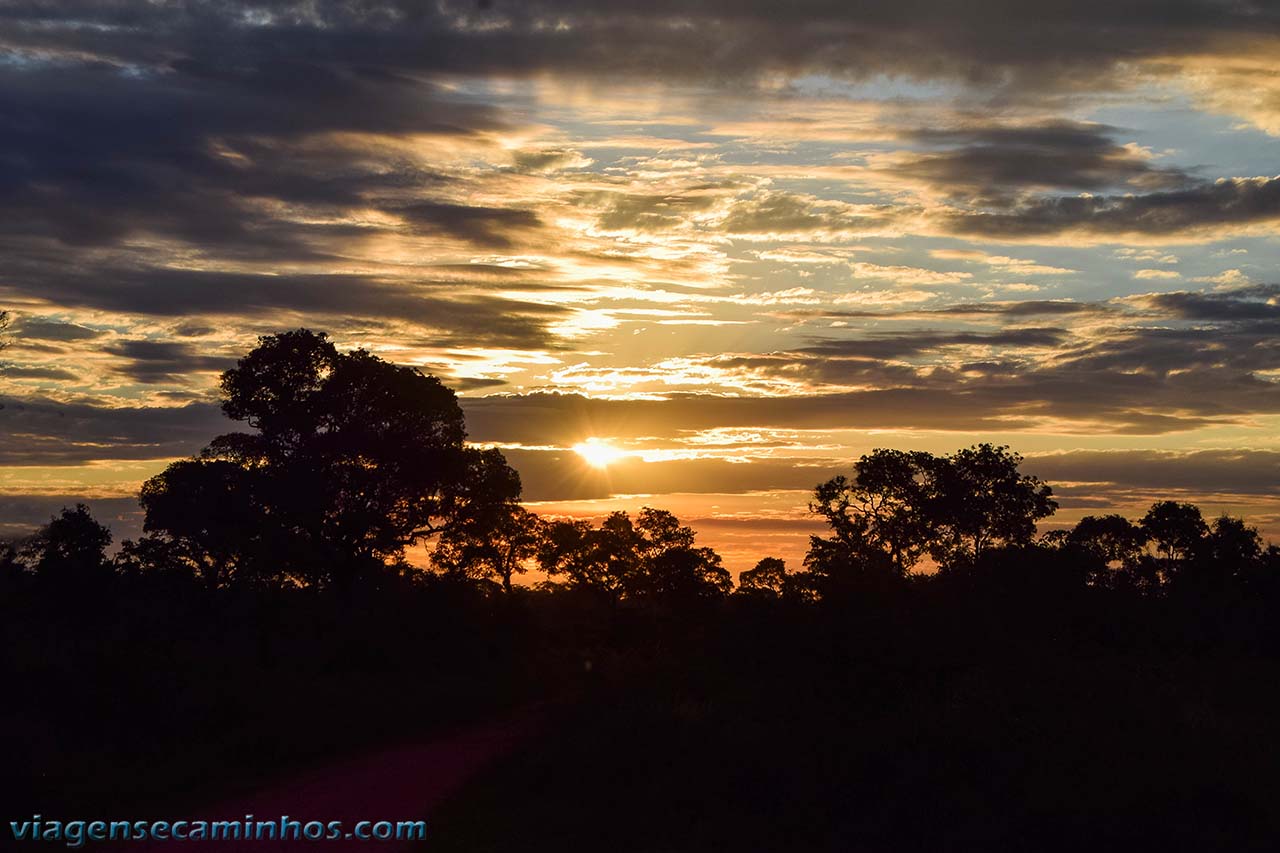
(598, 453)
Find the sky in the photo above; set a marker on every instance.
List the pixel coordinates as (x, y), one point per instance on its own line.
(721, 248)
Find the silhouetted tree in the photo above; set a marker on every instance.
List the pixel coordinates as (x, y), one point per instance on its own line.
(353, 459)
(769, 578)
(490, 535)
(1227, 554)
(979, 500)
(901, 505)
(152, 557)
(1110, 546)
(1109, 538)
(574, 550)
(1177, 530)
(879, 519)
(71, 550)
(4, 329)
(10, 565)
(654, 556)
(211, 512)
(671, 565)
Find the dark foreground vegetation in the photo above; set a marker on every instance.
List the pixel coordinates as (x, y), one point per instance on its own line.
(1111, 686)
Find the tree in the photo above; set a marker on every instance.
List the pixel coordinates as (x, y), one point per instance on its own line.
(70, 550)
(653, 557)
(877, 518)
(768, 578)
(901, 505)
(977, 500)
(1228, 553)
(671, 566)
(491, 535)
(4, 328)
(1109, 538)
(211, 510)
(1177, 530)
(573, 550)
(352, 460)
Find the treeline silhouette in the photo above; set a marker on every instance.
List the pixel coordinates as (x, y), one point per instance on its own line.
(935, 674)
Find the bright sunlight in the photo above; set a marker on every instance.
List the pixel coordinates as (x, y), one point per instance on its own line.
(598, 452)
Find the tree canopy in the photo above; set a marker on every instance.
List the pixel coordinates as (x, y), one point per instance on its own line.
(900, 506)
(653, 556)
(351, 460)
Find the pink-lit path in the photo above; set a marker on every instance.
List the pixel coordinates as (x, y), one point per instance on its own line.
(399, 784)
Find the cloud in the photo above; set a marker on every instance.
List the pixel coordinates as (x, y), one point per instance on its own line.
(1203, 211)
(1141, 365)
(475, 319)
(486, 227)
(22, 514)
(550, 160)
(18, 371)
(206, 154)
(1257, 302)
(778, 215)
(995, 163)
(40, 431)
(153, 362)
(1238, 472)
(909, 343)
(991, 42)
(1002, 263)
(41, 329)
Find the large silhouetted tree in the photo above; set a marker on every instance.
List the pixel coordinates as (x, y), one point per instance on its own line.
(351, 460)
(978, 500)
(71, 550)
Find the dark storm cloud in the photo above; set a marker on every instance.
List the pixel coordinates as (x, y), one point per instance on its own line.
(1233, 202)
(994, 164)
(44, 432)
